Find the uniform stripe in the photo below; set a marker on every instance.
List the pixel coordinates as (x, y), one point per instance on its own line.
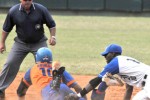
(28, 84)
(71, 82)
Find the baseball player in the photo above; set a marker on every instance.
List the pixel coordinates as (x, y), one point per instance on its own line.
(51, 79)
(130, 70)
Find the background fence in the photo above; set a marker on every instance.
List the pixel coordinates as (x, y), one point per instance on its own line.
(98, 5)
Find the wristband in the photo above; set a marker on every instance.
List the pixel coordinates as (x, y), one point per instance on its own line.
(83, 92)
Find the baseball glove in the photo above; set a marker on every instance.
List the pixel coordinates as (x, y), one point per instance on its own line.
(112, 80)
(71, 96)
(57, 75)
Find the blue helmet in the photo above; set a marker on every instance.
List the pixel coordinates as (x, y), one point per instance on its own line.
(44, 54)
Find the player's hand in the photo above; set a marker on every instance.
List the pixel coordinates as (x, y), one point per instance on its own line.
(52, 41)
(71, 96)
(56, 65)
(2, 47)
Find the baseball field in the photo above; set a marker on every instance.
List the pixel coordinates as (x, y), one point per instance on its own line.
(81, 37)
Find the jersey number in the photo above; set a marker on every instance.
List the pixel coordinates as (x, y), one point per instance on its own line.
(133, 61)
(46, 71)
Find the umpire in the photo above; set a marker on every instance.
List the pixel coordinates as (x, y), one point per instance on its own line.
(28, 17)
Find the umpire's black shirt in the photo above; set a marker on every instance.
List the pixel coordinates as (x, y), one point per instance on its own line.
(29, 27)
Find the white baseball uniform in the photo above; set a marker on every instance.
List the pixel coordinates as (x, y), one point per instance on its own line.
(132, 72)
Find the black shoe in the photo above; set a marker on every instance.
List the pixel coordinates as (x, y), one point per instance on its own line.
(2, 94)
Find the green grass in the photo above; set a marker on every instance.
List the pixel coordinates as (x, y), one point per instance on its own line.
(81, 39)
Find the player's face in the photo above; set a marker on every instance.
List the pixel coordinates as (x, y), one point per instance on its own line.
(109, 57)
(26, 4)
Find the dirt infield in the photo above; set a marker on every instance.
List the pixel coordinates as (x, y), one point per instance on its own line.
(113, 93)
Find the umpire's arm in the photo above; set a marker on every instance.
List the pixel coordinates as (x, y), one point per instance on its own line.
(128, 94)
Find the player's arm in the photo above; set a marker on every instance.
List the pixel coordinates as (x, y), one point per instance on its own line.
(77, 88)
(128, 93)
(70, 82)
(90, 86)
(112, 68)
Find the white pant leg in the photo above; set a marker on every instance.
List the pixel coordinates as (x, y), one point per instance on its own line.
(147, 86)
(145, 93)
(141, 95)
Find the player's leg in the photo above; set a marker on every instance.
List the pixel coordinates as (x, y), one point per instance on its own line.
(141, 95)
(144, 94)
(12, 65)
(147, 86)
(24, 85)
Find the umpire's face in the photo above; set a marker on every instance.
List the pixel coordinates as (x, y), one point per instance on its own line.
(109, 56)
(26, 4)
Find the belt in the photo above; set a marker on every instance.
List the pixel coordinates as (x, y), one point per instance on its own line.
(145, 77)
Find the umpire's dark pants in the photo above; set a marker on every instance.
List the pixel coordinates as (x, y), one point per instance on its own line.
(17, 54)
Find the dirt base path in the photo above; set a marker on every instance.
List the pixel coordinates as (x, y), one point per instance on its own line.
(113, 93)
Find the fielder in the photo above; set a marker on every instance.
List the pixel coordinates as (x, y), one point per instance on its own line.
(130, 70)
(47, 77)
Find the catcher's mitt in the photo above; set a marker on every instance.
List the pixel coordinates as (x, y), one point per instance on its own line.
(112, 80)
(71, 96)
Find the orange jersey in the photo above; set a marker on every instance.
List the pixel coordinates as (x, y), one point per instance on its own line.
(41, 74)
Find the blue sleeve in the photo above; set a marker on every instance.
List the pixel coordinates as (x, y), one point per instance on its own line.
(112, 67)
(68, 79)
(8, 24)
(48, 18)
(27, 76)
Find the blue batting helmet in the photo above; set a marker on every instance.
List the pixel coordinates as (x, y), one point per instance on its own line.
(44, 54)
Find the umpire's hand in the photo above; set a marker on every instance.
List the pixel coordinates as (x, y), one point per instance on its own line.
(2, 47)
(52, 40)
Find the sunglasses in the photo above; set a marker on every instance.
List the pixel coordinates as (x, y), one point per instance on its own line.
(27, 0)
